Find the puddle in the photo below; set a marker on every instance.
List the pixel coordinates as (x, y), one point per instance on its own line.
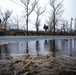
(20, 49)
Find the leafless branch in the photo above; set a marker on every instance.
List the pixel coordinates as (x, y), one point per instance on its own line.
(33, 6)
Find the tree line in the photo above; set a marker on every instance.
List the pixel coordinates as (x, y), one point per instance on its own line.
(55, 22)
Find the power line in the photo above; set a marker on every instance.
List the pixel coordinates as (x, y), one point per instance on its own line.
(17, 3)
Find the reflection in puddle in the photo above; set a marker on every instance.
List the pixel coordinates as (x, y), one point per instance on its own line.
(21, 49)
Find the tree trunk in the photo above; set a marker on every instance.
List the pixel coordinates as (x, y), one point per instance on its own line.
(27, 21)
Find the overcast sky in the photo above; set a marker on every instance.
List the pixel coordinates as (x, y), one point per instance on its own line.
(69, 6)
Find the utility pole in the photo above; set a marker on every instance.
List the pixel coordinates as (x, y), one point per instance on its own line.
(75, 24)
(71, 24)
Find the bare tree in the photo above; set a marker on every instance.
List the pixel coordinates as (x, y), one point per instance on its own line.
(57, 11)
(16, 22)
(39, 11)
(29, 7)
(0, 19)
(64, 26)
(49, 22)
(4, 17)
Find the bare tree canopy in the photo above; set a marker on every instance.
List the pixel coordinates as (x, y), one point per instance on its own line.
(39, 11)
(16, 22)
(4, 17)
(64, 26)
(57, 11)
(29, 7)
